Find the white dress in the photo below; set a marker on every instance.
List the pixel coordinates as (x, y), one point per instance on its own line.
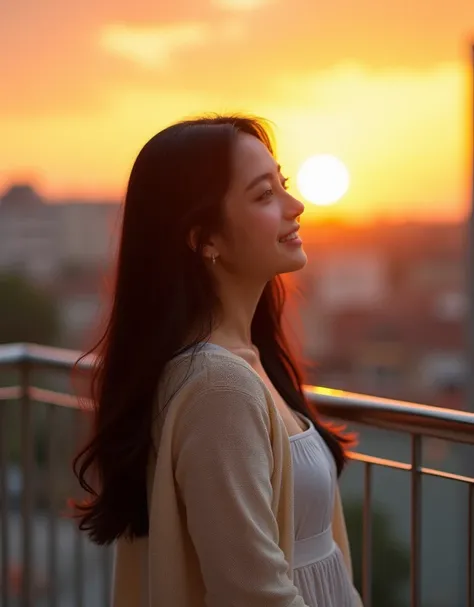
(320, 573)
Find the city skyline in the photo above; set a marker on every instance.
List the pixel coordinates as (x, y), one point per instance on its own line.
(384, 88)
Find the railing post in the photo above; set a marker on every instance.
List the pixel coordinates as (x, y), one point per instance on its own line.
(107, 563)
(53, 532)
(415, 514)
(79, 537)
(470, 564)
(27, 449)
(367, 538)
(4, 505)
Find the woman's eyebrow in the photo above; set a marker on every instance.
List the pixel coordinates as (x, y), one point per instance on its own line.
(262, 177)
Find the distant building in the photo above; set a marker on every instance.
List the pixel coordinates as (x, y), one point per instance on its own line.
(87, 232)
(65, 246)
(40, 239)
(79, 298)
(28, 234)
(351, 280)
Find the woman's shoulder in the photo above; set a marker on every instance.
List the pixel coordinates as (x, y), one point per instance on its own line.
(208, 386)
(209, 367)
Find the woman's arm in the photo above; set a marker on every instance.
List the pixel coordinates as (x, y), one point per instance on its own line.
(224, 465)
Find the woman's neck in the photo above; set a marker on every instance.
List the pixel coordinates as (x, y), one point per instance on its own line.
(237, 308)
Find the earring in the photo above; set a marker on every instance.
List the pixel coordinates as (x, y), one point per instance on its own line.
(213, 258)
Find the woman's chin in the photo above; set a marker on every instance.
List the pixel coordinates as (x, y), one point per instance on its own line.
(294, 262)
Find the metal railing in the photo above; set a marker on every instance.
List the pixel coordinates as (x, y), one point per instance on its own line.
(419, 421)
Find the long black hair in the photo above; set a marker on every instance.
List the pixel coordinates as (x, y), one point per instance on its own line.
(163, 293)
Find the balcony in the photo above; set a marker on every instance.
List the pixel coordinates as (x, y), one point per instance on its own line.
(46, 562)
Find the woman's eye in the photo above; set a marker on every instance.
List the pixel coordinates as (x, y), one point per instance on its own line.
(267, 194)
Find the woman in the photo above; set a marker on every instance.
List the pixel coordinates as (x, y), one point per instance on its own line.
(216, 478)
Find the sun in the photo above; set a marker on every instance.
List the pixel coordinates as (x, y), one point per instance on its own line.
(323, 179)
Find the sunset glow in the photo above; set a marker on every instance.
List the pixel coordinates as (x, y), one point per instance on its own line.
(86, 87)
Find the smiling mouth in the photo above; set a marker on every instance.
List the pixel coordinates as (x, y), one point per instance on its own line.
(288, 237)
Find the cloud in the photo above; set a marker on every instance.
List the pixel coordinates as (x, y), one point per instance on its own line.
(152, 46)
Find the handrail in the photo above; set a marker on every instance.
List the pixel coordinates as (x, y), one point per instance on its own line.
(42, 356)
(400, 416)
(448, 424)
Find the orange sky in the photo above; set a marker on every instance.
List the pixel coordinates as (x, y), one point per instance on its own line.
(382, 85)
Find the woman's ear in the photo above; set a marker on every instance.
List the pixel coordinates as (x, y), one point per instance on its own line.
(209, 251)
(193, 239)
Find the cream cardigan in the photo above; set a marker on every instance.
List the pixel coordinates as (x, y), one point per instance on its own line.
(220, 495)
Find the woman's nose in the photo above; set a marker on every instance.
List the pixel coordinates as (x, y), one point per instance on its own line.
(293, 207)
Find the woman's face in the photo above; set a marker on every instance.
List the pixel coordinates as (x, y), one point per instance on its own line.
(260, 237)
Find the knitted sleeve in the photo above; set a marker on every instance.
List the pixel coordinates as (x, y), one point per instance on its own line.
(223, 470)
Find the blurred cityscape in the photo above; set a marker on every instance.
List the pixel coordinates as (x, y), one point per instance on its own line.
(382, 308)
